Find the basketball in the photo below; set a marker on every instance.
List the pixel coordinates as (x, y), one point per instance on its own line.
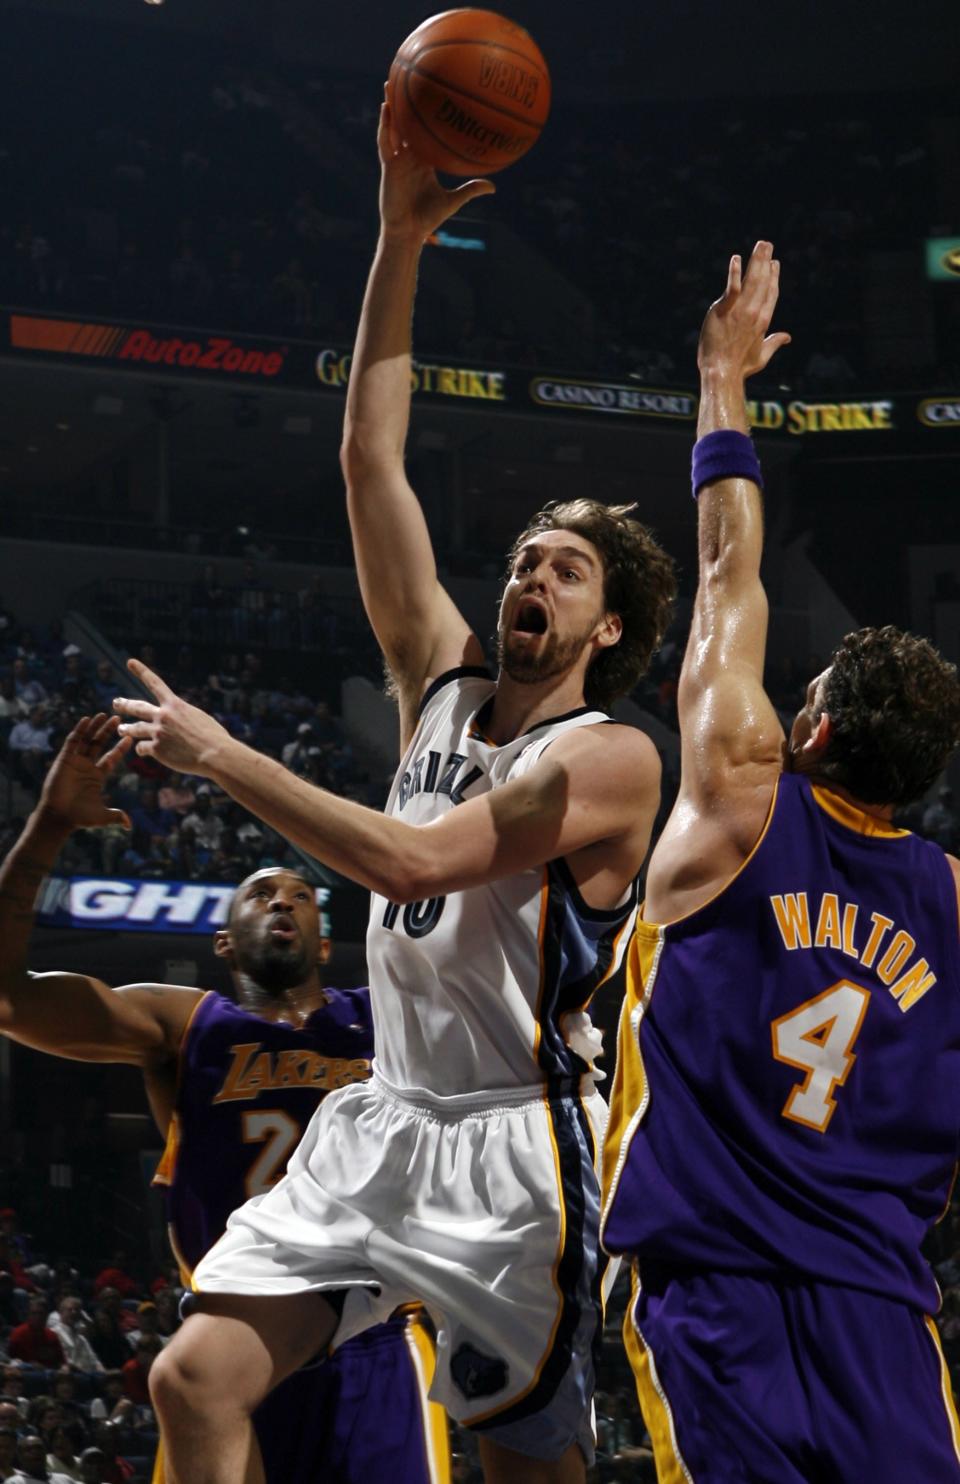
(469, 92)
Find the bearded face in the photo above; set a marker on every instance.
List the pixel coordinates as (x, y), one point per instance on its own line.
(553, 605)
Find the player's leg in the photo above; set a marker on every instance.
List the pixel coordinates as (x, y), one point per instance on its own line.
(504, 1466)
(216, 1370)
(517, 1366)
(880, 1387)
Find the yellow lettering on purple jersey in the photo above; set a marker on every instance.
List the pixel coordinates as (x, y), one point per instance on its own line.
(793, 919)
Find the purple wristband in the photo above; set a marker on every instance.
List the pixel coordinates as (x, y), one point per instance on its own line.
(723, 455)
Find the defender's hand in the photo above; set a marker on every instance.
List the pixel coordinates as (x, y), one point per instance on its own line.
(72, 794)
(734, 336)
(179, 735)
(413, 203)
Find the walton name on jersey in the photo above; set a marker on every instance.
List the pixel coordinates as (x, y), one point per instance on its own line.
(836, 926)
(254, 1070)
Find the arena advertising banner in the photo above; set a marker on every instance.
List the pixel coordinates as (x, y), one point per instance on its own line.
(252, 362)
(109, 903)
(245, 361)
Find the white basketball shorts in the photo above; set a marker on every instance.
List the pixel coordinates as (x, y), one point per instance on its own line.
(483, 1208)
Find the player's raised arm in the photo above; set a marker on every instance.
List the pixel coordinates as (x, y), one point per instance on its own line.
(75, 1015)
(731, 741)
(726, 721)
(419, 630)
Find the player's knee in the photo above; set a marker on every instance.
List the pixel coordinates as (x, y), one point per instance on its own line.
(184, 1379)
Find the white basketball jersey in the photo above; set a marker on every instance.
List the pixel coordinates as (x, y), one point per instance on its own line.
(485, 988)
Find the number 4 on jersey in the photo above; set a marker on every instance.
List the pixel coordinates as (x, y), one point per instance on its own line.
(818, 1038)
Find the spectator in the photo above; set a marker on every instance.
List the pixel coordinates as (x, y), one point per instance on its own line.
(168, 1312)
(107, 1438)
(33, 1342)
(147, 1325)
(177, 795)
(115, 1276)
(93, 1466)
(107, 1339)
(12, 1388)
(136, 1370)
(30, 746)
(112, 1405)
(8, 1451)
(66, 1325)
(62, 1451)
(105, 685)
(149, 818)
(65, 1395)
(32, 1464)
(12, 707)
(205, 825)
(294, 754)
(26, 687)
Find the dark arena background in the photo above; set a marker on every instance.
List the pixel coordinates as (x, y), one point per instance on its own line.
(188, 213)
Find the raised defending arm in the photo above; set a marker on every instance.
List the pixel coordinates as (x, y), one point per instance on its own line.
(418, 627)
(731, 741)
(726, 719)
(75, 1015)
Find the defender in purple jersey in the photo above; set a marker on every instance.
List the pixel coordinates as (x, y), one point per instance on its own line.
(233, 1087)
(785, 1121)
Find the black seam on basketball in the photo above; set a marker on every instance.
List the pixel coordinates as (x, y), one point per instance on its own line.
(482, 103)
(476, 41)
(472, 160)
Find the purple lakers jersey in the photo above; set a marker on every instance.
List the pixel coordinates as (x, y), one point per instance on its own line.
(787, 1095)
(247, 1088)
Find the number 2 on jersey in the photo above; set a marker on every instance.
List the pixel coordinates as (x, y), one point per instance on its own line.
(282, 1134)
(818, 1038)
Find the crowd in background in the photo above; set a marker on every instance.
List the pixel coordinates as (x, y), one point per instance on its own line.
(240, 198)
(183, 828)
(75, 1357)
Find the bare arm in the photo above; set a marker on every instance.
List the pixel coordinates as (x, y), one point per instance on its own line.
(726, 719)
(730, 735)
(571, 801)
(419, 629)
(75, 1015)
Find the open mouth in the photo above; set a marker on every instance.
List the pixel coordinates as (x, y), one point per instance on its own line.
(283, 929)
(530, 619)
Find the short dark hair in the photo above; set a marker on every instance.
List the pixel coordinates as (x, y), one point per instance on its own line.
(894, 703)
(639, 585)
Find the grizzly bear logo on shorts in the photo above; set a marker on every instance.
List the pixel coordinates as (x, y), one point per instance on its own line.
(477, 1374)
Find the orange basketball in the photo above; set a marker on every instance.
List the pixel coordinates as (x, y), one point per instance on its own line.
(469, 91)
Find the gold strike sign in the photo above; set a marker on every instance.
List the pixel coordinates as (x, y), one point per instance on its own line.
(821, 417)
(333, 369)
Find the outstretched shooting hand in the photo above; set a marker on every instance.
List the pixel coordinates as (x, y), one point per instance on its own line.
(72, 793)
(413, 203)
(734, 334)
(179, 735)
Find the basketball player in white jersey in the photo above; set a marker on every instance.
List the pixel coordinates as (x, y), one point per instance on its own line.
(504, 883)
